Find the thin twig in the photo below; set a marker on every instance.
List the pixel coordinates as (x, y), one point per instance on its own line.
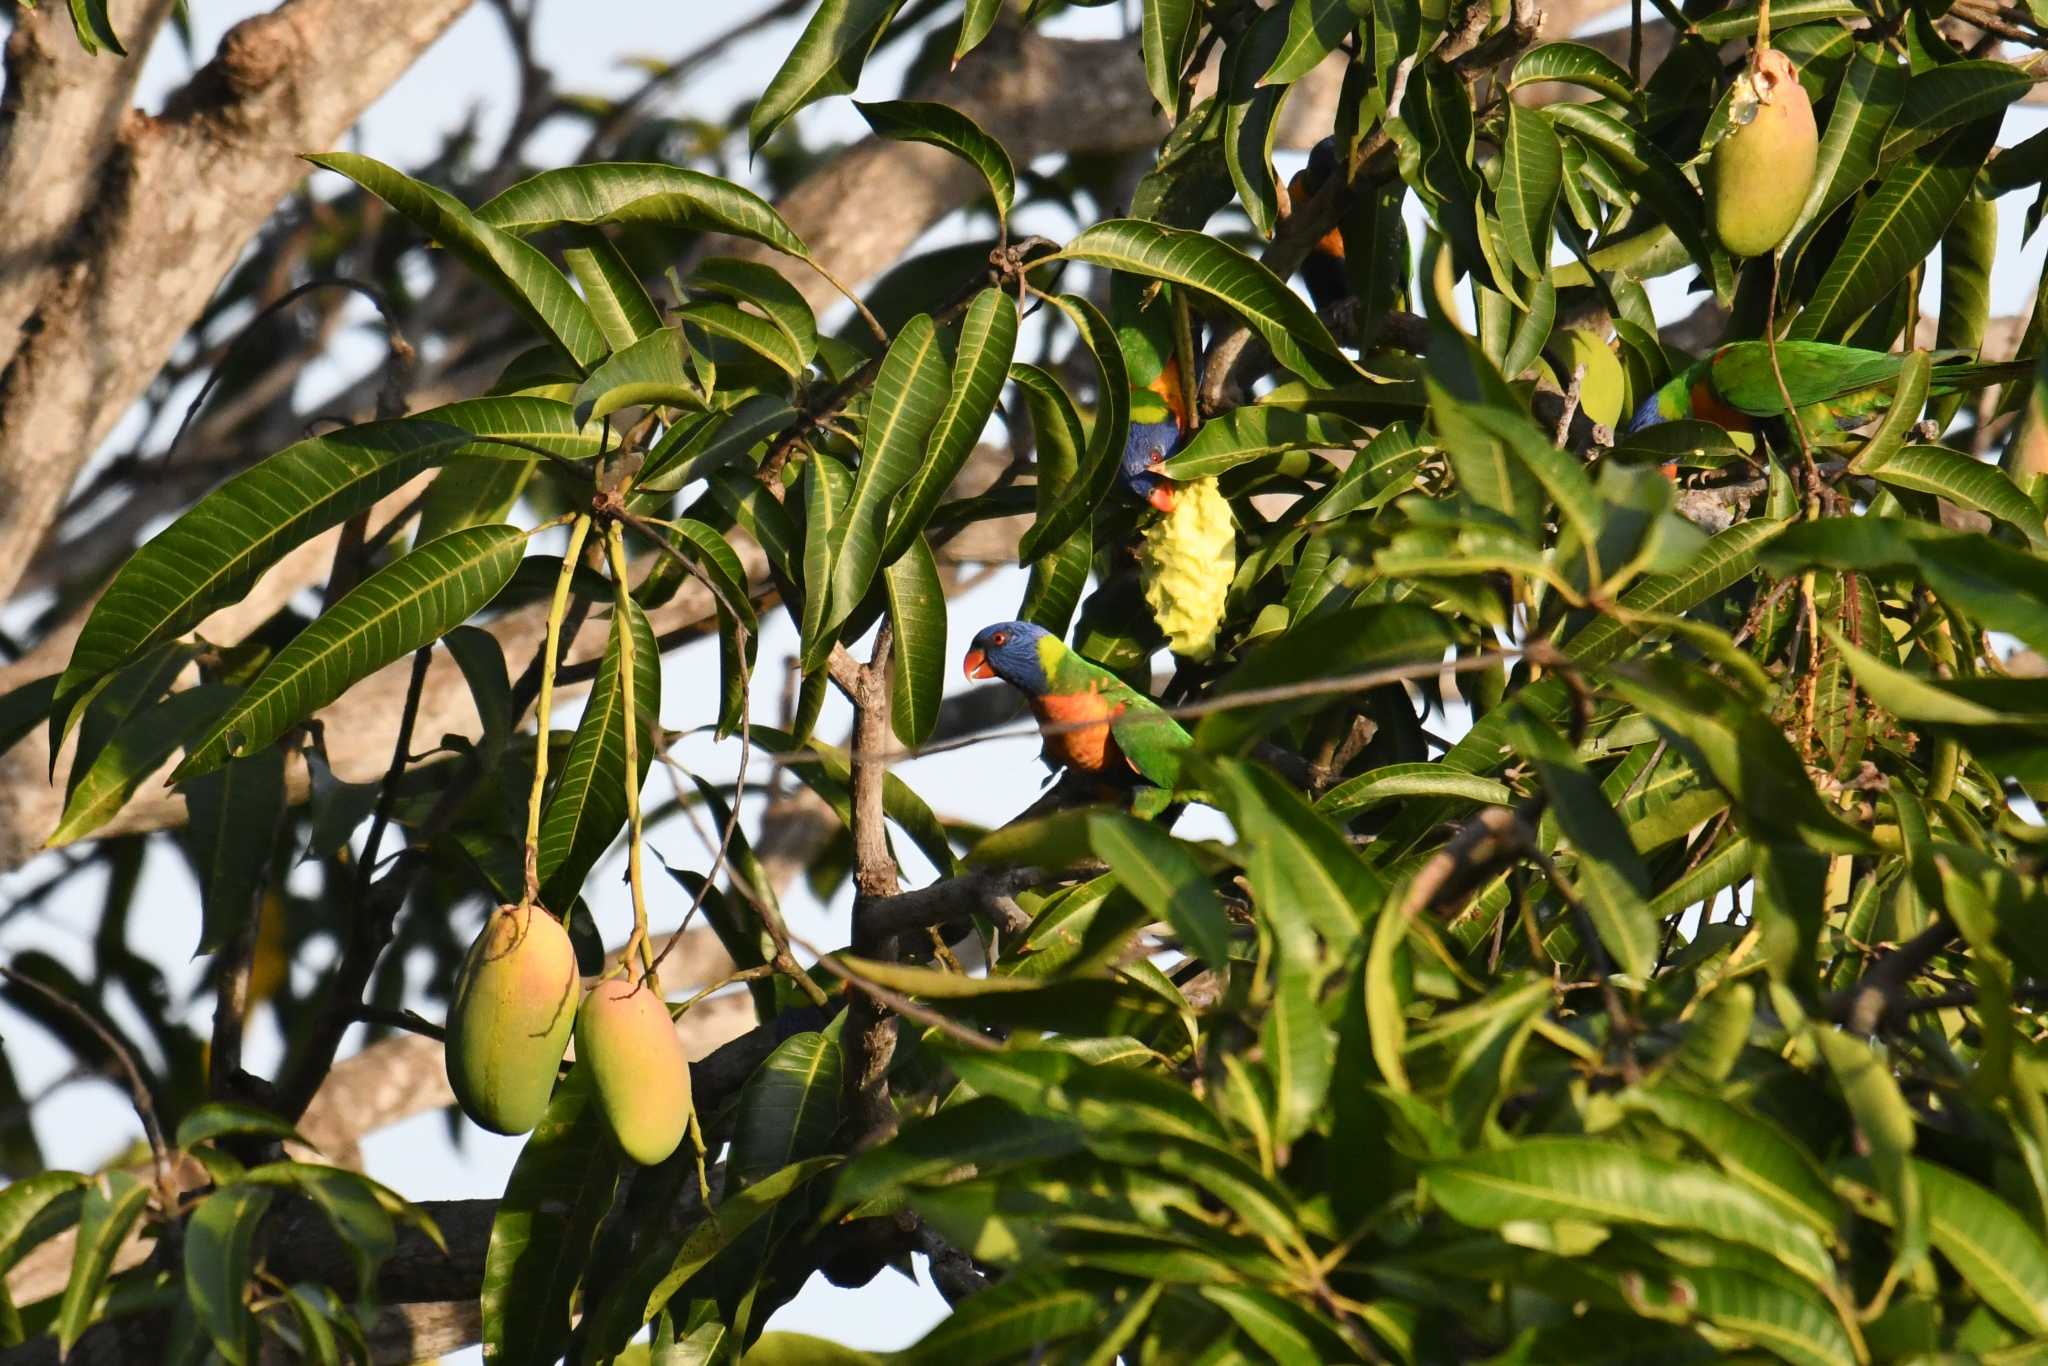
(138, 1090)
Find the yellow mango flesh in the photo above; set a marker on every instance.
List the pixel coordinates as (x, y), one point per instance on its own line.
(1763, 168)
(514, 1009)
(1185, 564)
(625, 1037)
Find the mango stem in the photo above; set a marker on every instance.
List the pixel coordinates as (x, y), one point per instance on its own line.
(615, 544)
(557, 609)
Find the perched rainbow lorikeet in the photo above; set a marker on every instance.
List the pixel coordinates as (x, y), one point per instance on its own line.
(1159, 422)
(1835, 389)
(1130, 735)
(1323, 271)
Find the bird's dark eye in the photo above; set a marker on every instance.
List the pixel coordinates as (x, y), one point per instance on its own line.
(1000, 638)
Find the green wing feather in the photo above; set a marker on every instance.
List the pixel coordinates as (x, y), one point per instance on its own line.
(1149, 738)
(1814, 372)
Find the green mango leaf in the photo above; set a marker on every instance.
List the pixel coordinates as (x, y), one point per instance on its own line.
(1017, 1315)
(977, 20)
(617, 299)
(587, 807)
(827, 489)
(1255, 430)
(1315, 29)
(1074, 505)
(653, 194)
(1901, 221)
(1969, 483)
(1865, 104)
(525, 277)
(1161, 872)
(826, 60)
(215, 551)
(917, 608)
(653, 370)
(941, 125)
(981, 361)
(762, 336)
(1884, 1123)
(1606, 1182)
(1194, 261)
(1165, 30)
(759, 285)
(220, 1256)
(1951, 95)
(104, 1222)
(219, 1118)
(409, 603)
(1251, 110)
(230, 809)
(911, 393)
(1574, 64)
(541, 1236)
(1984, 1238)
(94, 28)
(137, 750)
(1531, 178)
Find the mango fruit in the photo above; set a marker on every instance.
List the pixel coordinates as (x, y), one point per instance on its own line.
(1762, 169)
(625, 1037)
(515, 1005)
(1185, 564)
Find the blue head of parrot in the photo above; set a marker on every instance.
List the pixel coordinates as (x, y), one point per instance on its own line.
(1145, 449)
(1009, 650)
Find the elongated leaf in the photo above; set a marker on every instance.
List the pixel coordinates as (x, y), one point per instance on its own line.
(1950, 95)
(977, 18)
(587, 808)
(410, 602)
(1885, 1122)
(1649, 172)
(826, 60)
(1969, 483)
(137, 750)
(735, 1215)
(1255, 430)
(827, 490)
(528, 419)
(1608, 871)
(617, 299)
(910, 395)
(1159, 871)
(1315, 29)
(1865, 104)
(231, 809)
(1987, 1241)
(1593, 1179)
(1303, 872)
(519, 272)
(23, 1202)
(988, 339)
(917, 607)
(1574, 64)
(654, 369)
(1075, 505)
(1164, 28)
(1251, 108)
(1531, 176)
(1396, 781)
(1191, 259)
(109, 1214)
(219, 1258)
(1898, 225)
(757, 334)
(1757, 1153)
(94, 28)
(941, 125)
(1013, 1317)
(1795, 1326)
(214, 552)
(761, 286)
(559, 1189)
(639, 192)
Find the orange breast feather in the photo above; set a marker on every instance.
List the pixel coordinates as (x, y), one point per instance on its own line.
(1089, 748)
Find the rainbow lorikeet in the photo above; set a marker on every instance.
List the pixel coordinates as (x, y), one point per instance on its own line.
(1159, 422)
(1323, 271)
(1117, 732)
(1835, 389)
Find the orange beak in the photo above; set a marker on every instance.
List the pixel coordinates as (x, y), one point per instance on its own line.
(1162, 496)
(976, 665)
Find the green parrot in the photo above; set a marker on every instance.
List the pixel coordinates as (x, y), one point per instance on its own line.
(1835, 389)
(1106, 727)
